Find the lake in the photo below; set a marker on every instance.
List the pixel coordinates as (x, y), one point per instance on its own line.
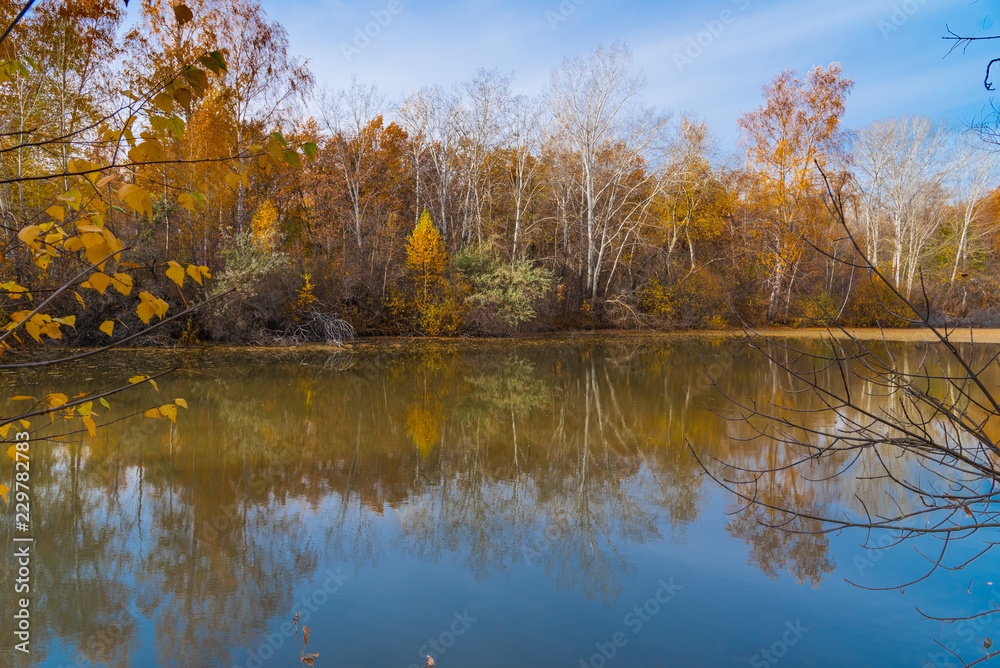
(532, 502)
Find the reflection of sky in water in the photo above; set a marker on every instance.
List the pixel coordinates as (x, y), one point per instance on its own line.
(404, 493)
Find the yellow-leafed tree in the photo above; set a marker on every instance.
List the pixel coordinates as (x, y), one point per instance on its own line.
(433, 304)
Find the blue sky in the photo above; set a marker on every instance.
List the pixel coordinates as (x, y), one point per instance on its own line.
(891, 48)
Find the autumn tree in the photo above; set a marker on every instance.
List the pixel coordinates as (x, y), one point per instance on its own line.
(797, 128)
(434, 307)
(74, 249)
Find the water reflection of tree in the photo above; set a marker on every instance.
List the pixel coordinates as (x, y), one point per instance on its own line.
(781, 477)
(555, 456)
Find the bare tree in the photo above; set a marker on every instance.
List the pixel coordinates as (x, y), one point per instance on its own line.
(524, 141)
(346, 114)
(976, 173)
(595, 104)
(903, 165)
(432, 115)
(480, 126)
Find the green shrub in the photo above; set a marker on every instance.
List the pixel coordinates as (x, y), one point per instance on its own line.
(503, 295)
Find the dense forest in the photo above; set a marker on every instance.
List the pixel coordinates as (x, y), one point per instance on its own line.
(470, 210)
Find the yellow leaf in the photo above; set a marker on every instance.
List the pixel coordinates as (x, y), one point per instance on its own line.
(181, 402)
(97, 253)
(233, 180)
(80, 299)
(145, 312)
(153, 414)
(186, 201)
(136, 198)
(4, 490)
(108, 326)
(56, 399)
(91, 427)
(176, 273)
(169, 411)
(12, 452)
(194, 273)
(150, 150)
(29, 235)
(164, 101)
(105, 180)
(113, 242)
(57, 212)
(51, 330)
(20, 397)
(33, 330)
(123, 283)
(182, 13)
(99, 281)
(69, 320)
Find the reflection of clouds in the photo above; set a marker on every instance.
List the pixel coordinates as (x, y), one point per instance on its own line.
(477, 454)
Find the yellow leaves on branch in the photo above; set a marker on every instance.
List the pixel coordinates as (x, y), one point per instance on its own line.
(137, 199)
(40, 324)
(168, 411)
(197, 272)
(191, 201)
(175, 272)
(15, 291)
(150, 306)
(142, 379)
(56, 399)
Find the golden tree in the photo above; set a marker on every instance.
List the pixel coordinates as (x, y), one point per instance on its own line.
(796, 129)
(434, 305)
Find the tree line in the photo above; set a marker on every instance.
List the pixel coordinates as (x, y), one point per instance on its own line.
(471, 209)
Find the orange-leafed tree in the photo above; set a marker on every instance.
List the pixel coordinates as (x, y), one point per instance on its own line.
(797, 128)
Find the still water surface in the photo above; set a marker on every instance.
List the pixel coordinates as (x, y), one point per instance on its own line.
(504, 503)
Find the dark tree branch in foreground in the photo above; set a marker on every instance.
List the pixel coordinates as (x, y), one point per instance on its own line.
(963, 42)
(927, 432)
